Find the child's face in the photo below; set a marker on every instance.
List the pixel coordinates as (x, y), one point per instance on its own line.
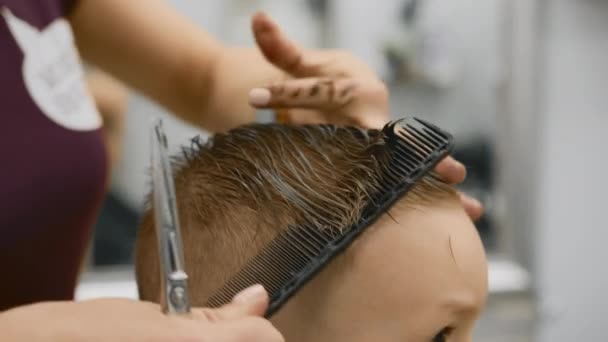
(403, 281)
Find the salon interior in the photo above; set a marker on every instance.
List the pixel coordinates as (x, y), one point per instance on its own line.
(523, 86)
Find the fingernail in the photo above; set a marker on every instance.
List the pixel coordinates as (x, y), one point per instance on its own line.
(259, 97)
(475, 202)
(252, 293)
(458, 165)
(470, 201)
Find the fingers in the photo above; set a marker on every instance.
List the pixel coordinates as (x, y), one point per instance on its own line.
(325, 95)
(472, 207)
(309, 93)
(239, 320)
(250, 329)
(252, 301)
(451, 170)
(277, 48)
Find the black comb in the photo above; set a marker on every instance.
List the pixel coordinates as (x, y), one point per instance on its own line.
(296, 255)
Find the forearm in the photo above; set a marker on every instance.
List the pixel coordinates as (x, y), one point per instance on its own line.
(150, 47)
(232, 77)
(163, 55)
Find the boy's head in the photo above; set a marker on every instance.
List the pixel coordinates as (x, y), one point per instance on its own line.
(417, 271)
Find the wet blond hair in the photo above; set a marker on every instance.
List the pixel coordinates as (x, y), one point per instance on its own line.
(241, 188)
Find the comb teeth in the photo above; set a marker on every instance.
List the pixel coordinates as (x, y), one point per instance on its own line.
(287, 256)
(417, 145)
(299, 253)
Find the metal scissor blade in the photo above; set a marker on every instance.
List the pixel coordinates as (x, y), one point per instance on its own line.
(174, 298)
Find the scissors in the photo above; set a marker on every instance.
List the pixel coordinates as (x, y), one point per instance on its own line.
(174, 279)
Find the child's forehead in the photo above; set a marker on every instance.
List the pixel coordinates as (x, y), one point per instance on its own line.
(401, 281)
(415, 258)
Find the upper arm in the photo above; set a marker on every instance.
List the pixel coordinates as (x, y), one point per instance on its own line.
(150, 47)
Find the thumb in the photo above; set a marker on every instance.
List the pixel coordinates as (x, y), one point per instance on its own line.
(253, 301)
(278, 49)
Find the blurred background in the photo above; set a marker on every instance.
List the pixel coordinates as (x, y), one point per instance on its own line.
(523, 85)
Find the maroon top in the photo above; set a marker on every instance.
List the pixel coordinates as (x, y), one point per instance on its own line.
(53, 169)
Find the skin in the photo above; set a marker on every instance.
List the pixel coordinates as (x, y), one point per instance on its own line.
(127, 320)
(164, 56)
(111, 100)
(404, 280)
(210, 84)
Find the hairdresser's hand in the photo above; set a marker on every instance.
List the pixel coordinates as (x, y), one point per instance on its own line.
(454, 172)
(127, 320)
(330, 86)
(320, 85)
